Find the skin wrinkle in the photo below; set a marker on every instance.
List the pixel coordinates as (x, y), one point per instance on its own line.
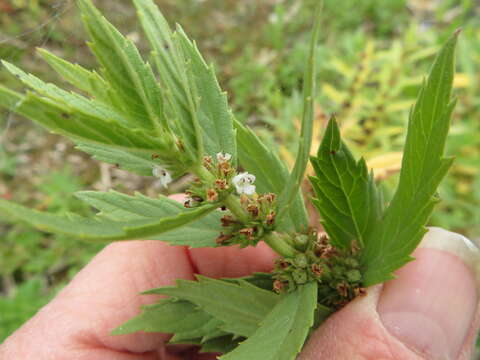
(190, 260)
(338, 337)
(469, 345)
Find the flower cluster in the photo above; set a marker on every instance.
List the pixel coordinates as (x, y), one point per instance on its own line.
(211, 191)
(336, 271)
(261, 220)
(225, 181)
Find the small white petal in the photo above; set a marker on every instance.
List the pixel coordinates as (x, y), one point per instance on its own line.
(223, 157)
(163, 175)
(243, 183)
(249, 178)
(249, 189)
(238, 179)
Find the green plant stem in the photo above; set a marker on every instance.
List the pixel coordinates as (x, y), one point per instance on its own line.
(233, 204)
(278, 243)
(205, 175)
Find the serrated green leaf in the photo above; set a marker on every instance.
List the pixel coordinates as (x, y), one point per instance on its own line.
(120, 207)
(347, 197)
(9, 98)
(423, 167)
(166, 316)
(85, 80)
(261, 280)
(140, 163)
(241, 307)
(171, 65)
(187, 323)
(133, 87)
(106, 139)
(206, 330)
(71, 101)
(215, 117)
(102, 229)
(220, 345)
(284, 330)
(271, 174)
(305, 140)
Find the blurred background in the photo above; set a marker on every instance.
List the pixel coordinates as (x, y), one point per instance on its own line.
(372, 60)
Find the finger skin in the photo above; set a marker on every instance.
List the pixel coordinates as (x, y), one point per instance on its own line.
(77, 323)
(232, 261)
(357, 330)
(356, 333)
(105, 294)
(353, 333)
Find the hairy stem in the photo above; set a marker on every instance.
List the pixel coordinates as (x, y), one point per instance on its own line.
(233, 204)
(279, 244)
(205, 175)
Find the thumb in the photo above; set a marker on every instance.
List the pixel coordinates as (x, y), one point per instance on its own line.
(430, 311)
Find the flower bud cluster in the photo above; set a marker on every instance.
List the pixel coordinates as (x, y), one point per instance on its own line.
(261, 220)
(337, 271)
(222, 172)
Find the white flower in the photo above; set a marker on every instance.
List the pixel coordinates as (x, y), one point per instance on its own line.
(223, 157)
(244, 183)
(163, 175)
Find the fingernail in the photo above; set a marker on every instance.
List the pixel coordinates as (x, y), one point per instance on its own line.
(431, 304)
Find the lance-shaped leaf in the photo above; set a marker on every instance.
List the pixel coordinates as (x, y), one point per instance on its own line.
(220, 345)
(83, 79)
(423, 167)
(241, 307)
(138, 162)
(74, 102)
(133, 87)
(101, 229)
(103, 138)
(64, 120)
(271, 174)
(181, 318)
(305, 140)
(214, 116)
(347, 197)
(9, 99)
(120, 207)
(284, 330)
(180, 103)
(167, 55)
(193, 90)
(261, 280)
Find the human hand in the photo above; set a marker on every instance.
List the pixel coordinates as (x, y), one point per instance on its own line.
(426, 313)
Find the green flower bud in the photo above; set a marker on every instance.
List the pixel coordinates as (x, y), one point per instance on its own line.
(338, 270)
(300, 276)
(301, 240)
(300, 261)
(352, 262)
(354, 276)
